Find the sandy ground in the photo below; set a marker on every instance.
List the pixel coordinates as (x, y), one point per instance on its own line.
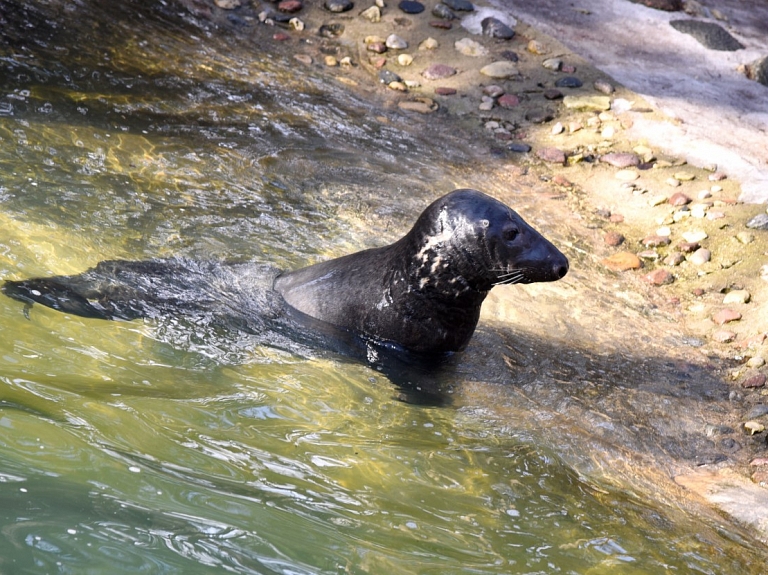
(720, 116)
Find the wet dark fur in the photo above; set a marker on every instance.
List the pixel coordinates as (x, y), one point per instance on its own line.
(422, 293)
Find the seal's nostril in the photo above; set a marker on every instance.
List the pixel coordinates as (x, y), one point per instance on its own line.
(561, 270)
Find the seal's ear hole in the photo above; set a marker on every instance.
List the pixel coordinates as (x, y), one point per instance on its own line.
(485, 223)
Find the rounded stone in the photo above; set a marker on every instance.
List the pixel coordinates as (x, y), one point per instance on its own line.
(519, 148)
(338, 5)
(500, 69)
(700, 256)
(290, 6)
(613, 239)
(679, 199)
(387, 77)
(695, 236)
(620, 159)
(622, 261)
(569, 82)
(395, 42)
(723, 336)
(759, 222)
(445, 91)
(442, 11)
(659, 277)
(495, 28)
(552, 64)
(737, 296)
(627, 175)
(551, 155)
(420, 105)
(438, 72)
(411, 7)
(604, 86)
(469, 47)
(684, 176)
(508, 101)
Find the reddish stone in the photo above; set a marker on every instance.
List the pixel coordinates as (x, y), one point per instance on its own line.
(616, 218)
(659, 277)
(688, 247)
(290, 6)
(760, 477)
(656, 241)
(754, 341)
(726, 316)
(504, 136)
(560, 180)
(552, 94)
(623, 261)
(280, 36)
(443, 91)
(376, 47)
(679, 199)
(613, 239)
(757, 380)
(759, 461)
(551, 155)
(378, 62)
(508, 101)
(441, 24)
(698, 292)
(723, 336)
(568, 68)
(438, 71)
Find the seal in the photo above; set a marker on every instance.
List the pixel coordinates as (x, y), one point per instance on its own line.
(424, 292)
(421, 294)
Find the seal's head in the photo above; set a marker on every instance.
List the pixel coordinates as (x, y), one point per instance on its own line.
(467, 240)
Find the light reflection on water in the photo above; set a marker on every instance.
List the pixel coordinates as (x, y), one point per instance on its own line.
(122, 452)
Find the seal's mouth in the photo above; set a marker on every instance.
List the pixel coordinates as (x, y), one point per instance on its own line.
(528, 275)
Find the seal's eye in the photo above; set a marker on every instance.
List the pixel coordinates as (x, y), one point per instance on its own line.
(510, 234)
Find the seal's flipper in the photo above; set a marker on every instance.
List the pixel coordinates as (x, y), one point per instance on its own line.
(49, 292)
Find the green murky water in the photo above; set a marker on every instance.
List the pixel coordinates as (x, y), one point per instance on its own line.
(135, 448)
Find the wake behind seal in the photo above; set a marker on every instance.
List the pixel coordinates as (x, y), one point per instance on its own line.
(423, 293)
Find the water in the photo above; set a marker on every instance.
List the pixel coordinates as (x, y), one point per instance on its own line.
(126, 447)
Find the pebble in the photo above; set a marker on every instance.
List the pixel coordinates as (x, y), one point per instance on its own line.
(411, 7)
(387, 77)
(551, 155)
(420, 105)
(519, 148)
(753, 426)
(445, 91)
(613, 239)
(688, 247)
(428, 44)
(558, 128)
(376, 47)
(539, 115)
(438, 72)
(716, 189)
(717, 176)
(700, 256)
(622, 261)
(487, 103)
(745, 237)
(684, 176)
(305, 59)
(695, 236)
(620, 159)
(726, 316)
(296, 24)
(405, 59)
(331, 30)
(227, 4)
(442, 25)
(290, 6)
(569, 82)
(372, 14)
(757, 380)
(757, 411)
(723, 336)
(627, 175)
(604, 86)
(594, 103)
(715, 215)
(552, 64)
(659, 277)
(459, 5)
(536, 47)
(501, 69)
(509, 55)
(737, 296)
(395, 42)
(709, 34)
(759, 222)
(338, 5)
(398, 86)
(493, 91)
(608, 132)
(495, 28)
(679, 199)
(508, 101)
(656, 241)
(552, 94)
(651, 255)
(756, 362)
(442, 11)
(331, 61)
(674, 259)
(672, 182)
(469, 47)
(654, 201)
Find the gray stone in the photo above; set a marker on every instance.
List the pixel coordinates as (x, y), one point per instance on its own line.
(759, 222)
(709, 34)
